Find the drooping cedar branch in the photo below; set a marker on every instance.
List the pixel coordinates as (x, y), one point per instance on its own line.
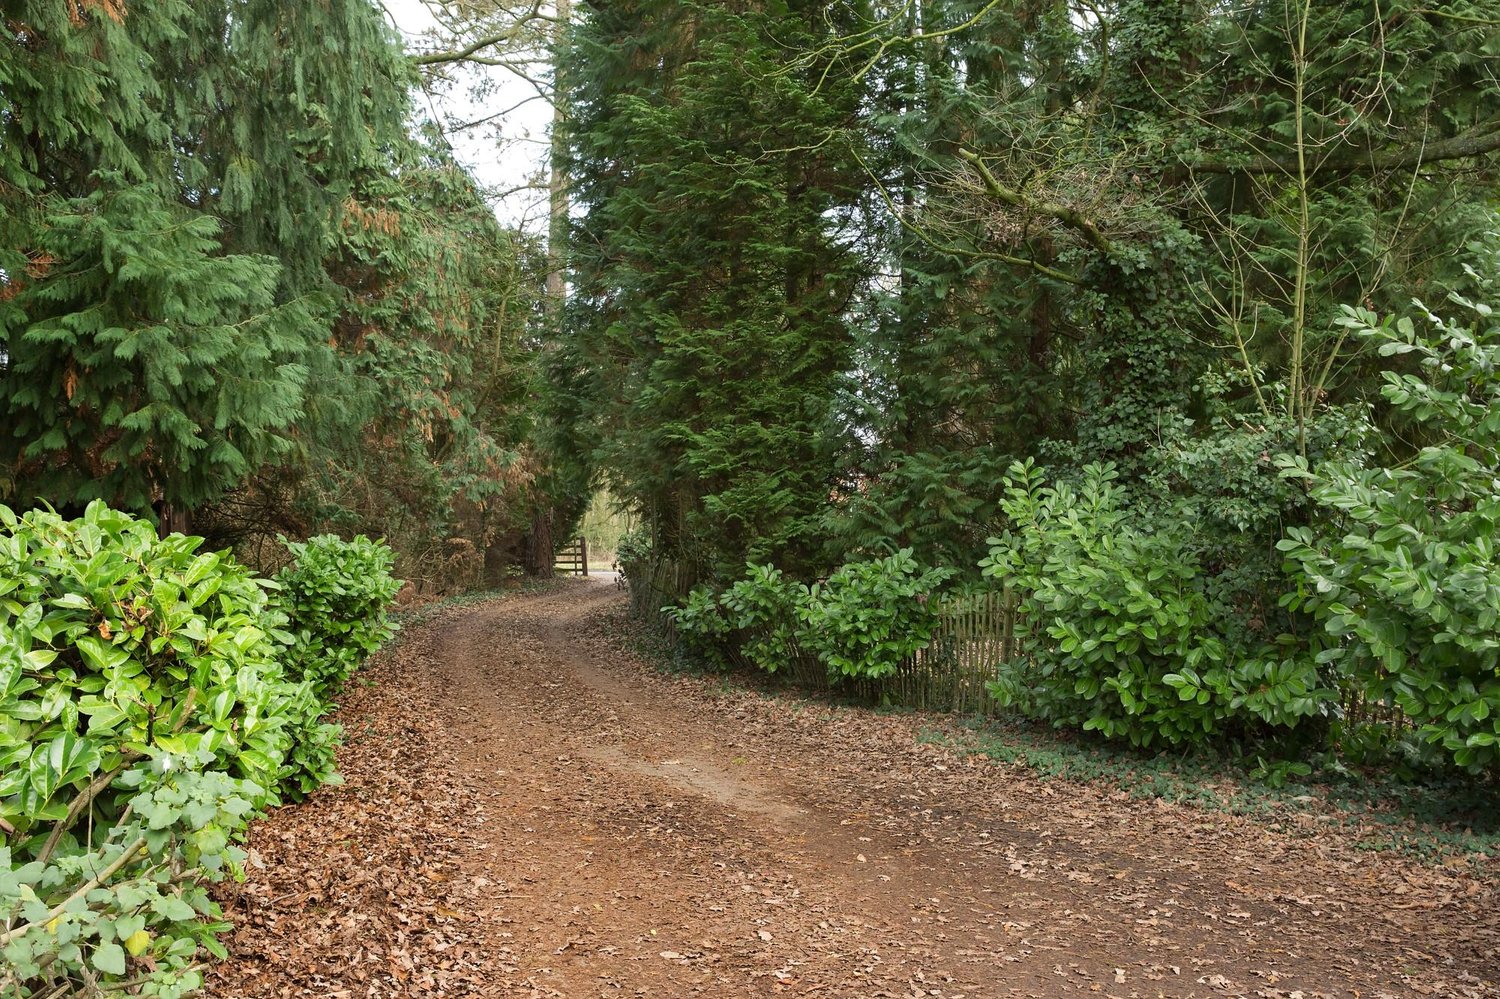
(1475, 142)
(1062, 213)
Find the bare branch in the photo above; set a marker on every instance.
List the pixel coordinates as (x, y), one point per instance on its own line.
(1062, 213)
(1488, 22)
(959, 251)
(510, 33)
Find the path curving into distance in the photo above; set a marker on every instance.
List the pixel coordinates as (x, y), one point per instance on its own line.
(532, 811)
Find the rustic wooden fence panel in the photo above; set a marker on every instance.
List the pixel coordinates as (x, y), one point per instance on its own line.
(654, 585)
(975, 634)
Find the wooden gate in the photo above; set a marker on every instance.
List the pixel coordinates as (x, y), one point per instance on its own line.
(573, 557)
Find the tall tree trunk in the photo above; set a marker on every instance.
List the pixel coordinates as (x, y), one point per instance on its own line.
(540, 545)
(173, 520)
(540, 549)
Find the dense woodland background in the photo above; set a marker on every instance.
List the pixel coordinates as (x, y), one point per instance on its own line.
(1125, 365)
(818, 278)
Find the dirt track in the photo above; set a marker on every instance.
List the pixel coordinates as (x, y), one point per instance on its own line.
(532, 812)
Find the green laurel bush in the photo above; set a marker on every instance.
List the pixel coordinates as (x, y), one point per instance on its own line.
(336, 596)
(860, 623)
(1402, 570)
(764, 612)
(634, 549)
(145, 717)
(1118, 632)
(868, 617)
(703, 625)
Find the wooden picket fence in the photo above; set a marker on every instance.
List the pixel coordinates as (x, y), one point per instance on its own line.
(654, 585)
(977, 633)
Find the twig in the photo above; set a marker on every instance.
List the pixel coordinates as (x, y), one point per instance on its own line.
(81, 802)
(1015, 199)
(83, 890)
(104, 780)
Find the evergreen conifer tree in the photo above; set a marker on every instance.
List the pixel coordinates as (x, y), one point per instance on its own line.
(712, 270)
(170, 180)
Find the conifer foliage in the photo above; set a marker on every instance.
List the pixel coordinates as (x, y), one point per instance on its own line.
(153, 367)
(237, 281)
(713, 267)
(159, 246)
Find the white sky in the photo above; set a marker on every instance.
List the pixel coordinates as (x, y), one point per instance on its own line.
(503, 154)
